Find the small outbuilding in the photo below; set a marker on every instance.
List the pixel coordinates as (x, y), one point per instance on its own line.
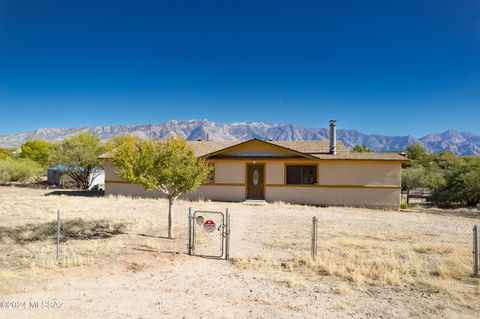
(56, 177)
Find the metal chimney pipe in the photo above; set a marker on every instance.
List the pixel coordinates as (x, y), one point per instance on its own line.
(333, 137)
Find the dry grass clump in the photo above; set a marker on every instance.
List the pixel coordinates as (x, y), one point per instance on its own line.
(377, 265)
(30, 248)
(360, 249)
(69, 257)
(38, 255)
(430, 248)
(199, 200)
(342, 289)
(374, 260)
(387, 269)
(136, 267)
(274, 268)
(69, 229)
(281, 204)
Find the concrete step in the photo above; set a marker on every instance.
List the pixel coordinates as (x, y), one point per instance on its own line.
(255, 202)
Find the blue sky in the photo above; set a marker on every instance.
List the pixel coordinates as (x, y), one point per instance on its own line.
(387, 67)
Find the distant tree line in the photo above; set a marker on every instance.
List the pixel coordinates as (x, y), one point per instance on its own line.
(77, 156)
(361, 149)
(168, 166)
(450, 180)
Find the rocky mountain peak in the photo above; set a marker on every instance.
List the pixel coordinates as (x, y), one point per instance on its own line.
(462, 143)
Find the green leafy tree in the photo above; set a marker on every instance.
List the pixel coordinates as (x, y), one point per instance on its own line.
(447, 154)
(19, 170)
(7, 153)
(434, 180)
(116, 141)
(168, 166)
(361, 149)
(463, 182)
(79, 155)
(449, 178)
(444, 159)
(416, 152)
(38, 151)
(412, 178)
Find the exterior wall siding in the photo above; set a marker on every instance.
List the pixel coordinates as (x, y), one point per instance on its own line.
(363, 197)
(218, 193)
(110, 174)
(133, 190)
(275, 172)
(229, 172)
(359, 173)
(346, 183)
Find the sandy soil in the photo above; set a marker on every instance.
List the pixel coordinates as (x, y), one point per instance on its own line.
(139, 274)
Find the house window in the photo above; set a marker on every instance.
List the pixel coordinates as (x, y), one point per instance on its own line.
(301, 174)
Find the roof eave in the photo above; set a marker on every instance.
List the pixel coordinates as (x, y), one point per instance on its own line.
(256, 139)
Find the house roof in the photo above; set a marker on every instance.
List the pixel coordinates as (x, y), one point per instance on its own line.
(200, 148)
(311, 149)
(363, 156)
(203, 148)
(301, 152)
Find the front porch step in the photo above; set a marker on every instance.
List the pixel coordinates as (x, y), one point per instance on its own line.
(255, 202)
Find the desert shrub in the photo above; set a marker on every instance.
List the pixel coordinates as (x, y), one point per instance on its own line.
(462, 182)
(19, 170)
(403, 205)
(6, 153)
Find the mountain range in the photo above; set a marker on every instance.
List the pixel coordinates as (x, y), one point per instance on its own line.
(461, 143)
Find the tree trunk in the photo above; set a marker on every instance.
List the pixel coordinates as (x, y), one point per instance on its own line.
(170, 226)
(408, 196)
(472, 202)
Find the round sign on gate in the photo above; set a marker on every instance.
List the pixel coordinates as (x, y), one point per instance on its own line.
(200, 220)
(209, 226)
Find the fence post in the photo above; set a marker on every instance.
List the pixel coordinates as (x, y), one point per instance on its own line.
(190, 231)
(227, 233)
(58, 234)
(314, 237)
(475, 251)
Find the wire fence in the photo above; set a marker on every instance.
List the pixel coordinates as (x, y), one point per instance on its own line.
(412, 249)
(282, 237)
(404, 246)
(344, 241)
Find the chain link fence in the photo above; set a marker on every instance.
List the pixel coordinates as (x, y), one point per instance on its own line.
(410, 244)
(409, 249)
(279, 237)
(379, 244)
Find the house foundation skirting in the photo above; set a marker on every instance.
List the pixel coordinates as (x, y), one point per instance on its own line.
(385, 196)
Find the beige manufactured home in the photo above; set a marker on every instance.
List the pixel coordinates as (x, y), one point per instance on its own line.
(305, 172)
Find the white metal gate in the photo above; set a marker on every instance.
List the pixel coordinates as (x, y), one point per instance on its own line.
(209, 234)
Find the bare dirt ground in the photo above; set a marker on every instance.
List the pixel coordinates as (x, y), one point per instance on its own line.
(115, 263)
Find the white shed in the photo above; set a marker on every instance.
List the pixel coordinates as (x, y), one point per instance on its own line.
(54, 177)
